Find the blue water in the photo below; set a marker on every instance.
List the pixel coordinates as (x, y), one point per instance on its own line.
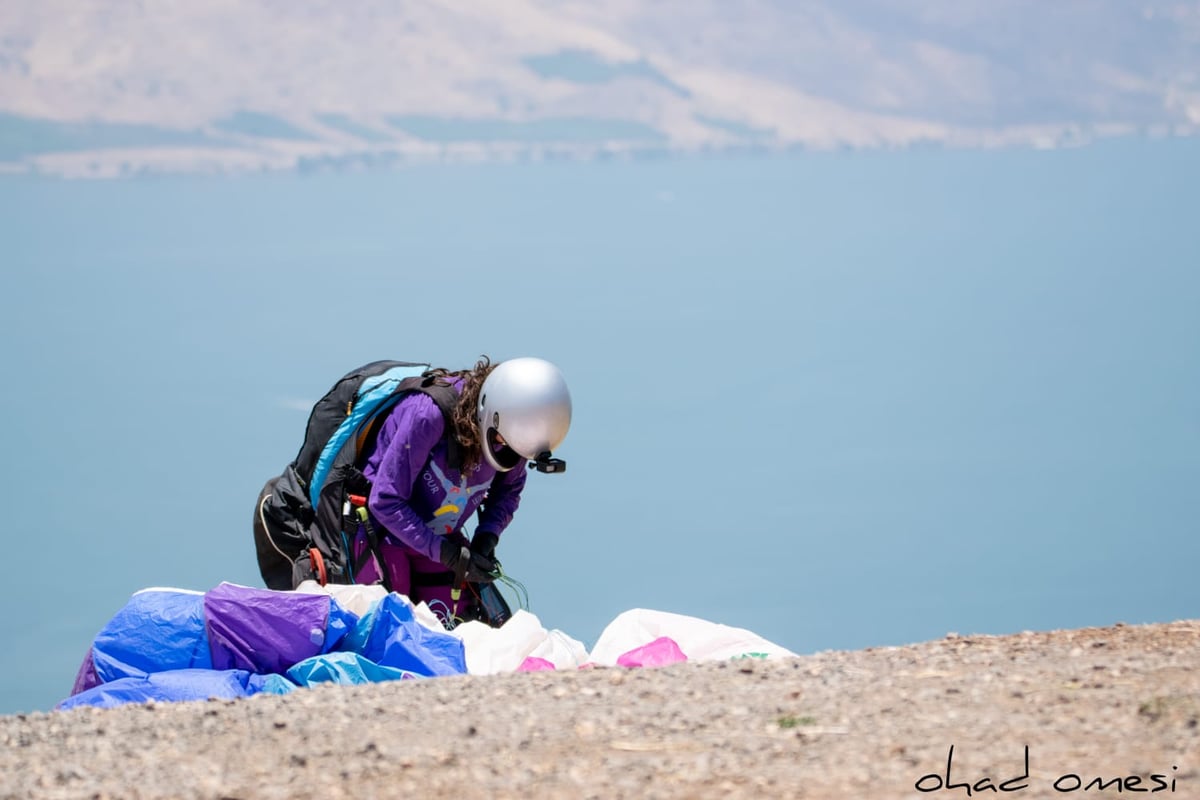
(842, 399)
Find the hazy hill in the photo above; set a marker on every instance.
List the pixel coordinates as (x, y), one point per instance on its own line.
(89, 86)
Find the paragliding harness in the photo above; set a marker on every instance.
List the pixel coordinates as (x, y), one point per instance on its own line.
(308, 517)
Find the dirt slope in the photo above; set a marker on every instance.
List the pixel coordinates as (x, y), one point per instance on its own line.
(1101, 712)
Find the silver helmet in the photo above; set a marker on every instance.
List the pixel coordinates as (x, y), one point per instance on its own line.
(524, 412)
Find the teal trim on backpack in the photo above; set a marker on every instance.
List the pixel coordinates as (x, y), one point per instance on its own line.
(371, 399)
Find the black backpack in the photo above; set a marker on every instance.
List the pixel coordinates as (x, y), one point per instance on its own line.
(306, 518)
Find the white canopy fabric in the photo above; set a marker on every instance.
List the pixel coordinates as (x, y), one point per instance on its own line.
(494, 650)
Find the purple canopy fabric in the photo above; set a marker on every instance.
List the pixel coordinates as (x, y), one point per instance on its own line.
(263, 631)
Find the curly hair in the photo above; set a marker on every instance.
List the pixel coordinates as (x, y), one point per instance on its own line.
(466, 425)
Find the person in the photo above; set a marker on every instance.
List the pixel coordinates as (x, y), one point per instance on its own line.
(507, 414)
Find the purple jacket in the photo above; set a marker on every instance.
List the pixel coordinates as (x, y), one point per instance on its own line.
(416, 497)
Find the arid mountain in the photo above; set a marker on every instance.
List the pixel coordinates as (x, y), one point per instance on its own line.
(89, 86)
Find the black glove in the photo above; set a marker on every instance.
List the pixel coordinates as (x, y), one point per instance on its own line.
(466, 565)
(484, 543)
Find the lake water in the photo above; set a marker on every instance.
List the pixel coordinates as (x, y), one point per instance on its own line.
(841, 399)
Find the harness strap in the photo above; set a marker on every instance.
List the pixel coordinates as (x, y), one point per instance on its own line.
(355, 515)
(446, 399)
(433, 579)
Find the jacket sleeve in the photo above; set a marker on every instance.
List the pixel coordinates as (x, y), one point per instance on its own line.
(410, 433)
(503, 497)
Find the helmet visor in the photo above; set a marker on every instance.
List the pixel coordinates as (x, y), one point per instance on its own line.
(503, 455)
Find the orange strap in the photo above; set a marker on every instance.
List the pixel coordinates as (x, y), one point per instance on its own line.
(319, 564)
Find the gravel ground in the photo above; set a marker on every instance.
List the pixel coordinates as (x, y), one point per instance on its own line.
(1117, 704)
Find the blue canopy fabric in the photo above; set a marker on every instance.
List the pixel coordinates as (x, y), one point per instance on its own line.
(390, 635)
(178, 684)
(236, 641)
(345, 669)
(158, 630)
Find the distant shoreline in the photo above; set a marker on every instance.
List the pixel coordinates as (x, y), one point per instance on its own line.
(244, 155)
